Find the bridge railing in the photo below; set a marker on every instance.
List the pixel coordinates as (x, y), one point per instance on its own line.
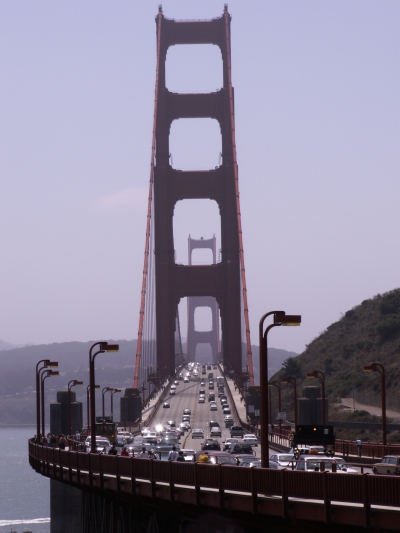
(196, 483)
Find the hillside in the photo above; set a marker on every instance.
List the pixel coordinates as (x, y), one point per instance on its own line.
(370, 332)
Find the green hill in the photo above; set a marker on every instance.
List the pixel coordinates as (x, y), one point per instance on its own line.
(370, 332)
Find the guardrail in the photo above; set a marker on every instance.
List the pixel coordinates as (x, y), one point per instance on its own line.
(353, 499)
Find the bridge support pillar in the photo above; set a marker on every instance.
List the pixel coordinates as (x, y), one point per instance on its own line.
(65, 508)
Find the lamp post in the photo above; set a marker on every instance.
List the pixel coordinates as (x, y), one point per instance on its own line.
(71, 384)
(377, 367)
(292, 380)
(280, 319)
(88, 402)
(44, 375)
(103, 391)
(102, 347)
(321, 376)
(46, 364)
(278, 386)
(112, 406)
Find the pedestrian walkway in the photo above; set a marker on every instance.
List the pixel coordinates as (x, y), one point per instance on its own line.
(240, 405)
(353, 404)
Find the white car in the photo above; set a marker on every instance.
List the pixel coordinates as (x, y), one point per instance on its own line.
(251, 439)
(202, 399)
(284, 460)
(213, 406)
(172, 391)
(186, 380)
(197, 434)
(215, 432)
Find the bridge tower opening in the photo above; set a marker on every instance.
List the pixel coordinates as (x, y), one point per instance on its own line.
(194, 336)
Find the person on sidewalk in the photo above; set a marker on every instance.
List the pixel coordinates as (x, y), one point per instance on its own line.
(173, 454)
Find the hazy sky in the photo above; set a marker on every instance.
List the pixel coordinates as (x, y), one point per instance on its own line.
(317, 89)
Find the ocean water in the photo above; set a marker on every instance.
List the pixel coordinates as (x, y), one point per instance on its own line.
(24, 495)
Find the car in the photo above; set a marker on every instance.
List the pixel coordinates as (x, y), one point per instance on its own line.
(211, 397)
(102, 444)
(313, 463)
(185, 418)
(228, 443)
(189, 455)
(223, 397)
(179, 432)
(223, 401)
(169, 436)
(213, 407)
(237, 431)
(253, 463)
(185, 379)
(183, 427)
(215, 432)
(171, 423)
(202, 391)
(284, 460)
(211, 385)
(187, 411)
(229, 423)
(389, 465)
(187, 424)
(201, 399)
(197, 434)
(239, 448)
(180, 376)
(211, 444)
(213, 424)
(127, 435)
(176, 382)
(172, 391)
(251, 439)
(226, 410)
(228, 417)
(203, 384)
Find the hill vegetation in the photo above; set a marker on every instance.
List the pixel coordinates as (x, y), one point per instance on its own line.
(370, 332)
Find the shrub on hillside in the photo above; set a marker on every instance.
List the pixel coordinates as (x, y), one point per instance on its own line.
(388, 328)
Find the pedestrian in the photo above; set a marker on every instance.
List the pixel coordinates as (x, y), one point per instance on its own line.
(153, 455)
(203, 458)
(173, 454)
(124, 452)
(78, 436)
(144, 454)
(62, 442)
(48, 440)
(359, 444)
(113, 450)
(180, 457)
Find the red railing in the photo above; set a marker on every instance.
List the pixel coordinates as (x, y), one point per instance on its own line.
(260, 491)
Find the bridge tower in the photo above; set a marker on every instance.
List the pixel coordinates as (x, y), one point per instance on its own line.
(194, 337)
(223, 281)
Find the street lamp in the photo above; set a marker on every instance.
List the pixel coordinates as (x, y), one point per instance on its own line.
(103, 391)
(377, 367)
(292, 380)
(102, 347)
(321, 376)
(278, 386)
(88, 401)
(112, 407)
(71, 384)
(46, 364)
(44, 375)
(280, 319)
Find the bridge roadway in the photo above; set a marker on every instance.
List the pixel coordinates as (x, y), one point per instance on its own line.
(186, 396)
(258, 500)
